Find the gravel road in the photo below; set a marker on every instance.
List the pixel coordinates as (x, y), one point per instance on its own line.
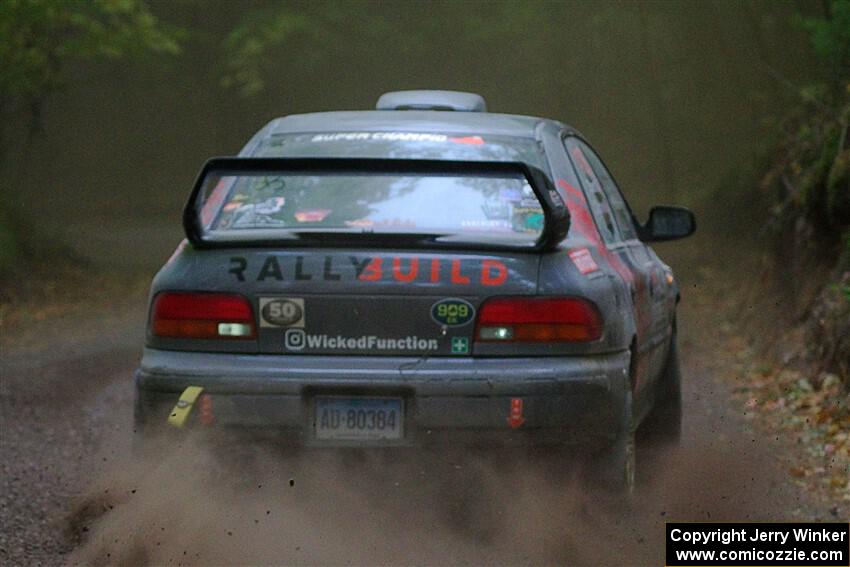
(69, 494)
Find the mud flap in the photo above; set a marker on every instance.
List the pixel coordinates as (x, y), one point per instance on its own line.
(663, 426)
(613, 468)
(180, 414)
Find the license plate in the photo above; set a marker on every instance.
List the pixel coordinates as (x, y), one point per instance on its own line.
(359, 419)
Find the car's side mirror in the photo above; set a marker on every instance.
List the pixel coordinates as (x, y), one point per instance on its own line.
(668, 223)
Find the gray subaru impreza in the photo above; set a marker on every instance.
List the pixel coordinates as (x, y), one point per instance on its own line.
(425, 273)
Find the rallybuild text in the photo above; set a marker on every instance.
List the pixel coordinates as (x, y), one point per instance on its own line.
(801, 544)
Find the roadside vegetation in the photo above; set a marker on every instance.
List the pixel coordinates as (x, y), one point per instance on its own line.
(41, 39)
(794, 370)
(807, 184)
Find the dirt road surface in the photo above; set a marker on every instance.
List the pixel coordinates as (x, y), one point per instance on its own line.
(71, 493)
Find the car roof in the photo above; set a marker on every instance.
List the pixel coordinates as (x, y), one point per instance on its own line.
(445, 122)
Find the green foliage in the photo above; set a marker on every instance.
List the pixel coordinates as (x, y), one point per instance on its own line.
(830, 37)
(249, 42)
(810, 175)
(253, 46)
(263, 36)
(39, 39)
(9, 246)
(41, 36)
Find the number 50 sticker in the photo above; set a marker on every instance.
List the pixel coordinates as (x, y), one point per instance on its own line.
(282, 312)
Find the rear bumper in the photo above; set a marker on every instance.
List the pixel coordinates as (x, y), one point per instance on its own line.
(446, 400)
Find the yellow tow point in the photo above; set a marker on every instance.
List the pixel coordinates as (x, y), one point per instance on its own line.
(183, 408)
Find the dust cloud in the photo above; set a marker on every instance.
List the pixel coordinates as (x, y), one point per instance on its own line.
(201, 503)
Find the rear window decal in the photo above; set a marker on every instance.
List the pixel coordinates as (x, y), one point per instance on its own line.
(396, 137)
(249, 214)
(487, 225)
(495, 208)
(511, 195)
(312, 215)
(382, 223)
(528, 220)
(387, 136)
(362, 223)
(216, 198)
(470, 140)
(415, 145)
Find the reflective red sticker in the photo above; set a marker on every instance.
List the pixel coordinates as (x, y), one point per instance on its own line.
(583, 260)
(206, 410)
(312, 215)
(515, 419)
(469, 140)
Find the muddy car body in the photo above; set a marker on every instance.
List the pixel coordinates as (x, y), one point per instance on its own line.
(424, 273)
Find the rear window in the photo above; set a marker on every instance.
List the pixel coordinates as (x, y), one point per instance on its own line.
(500, 207)
(404, 145)
(486, 207)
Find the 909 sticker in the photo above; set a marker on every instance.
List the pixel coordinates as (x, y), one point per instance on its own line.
(452, 312)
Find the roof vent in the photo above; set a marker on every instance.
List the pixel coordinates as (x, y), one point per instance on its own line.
(432, 100)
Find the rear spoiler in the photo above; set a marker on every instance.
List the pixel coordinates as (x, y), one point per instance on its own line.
(556, 215)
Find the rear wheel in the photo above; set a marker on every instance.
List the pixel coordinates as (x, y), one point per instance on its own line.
(663, 425)
(614, 468)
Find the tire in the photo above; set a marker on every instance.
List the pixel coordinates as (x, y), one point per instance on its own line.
(663, 425)
(614, 469)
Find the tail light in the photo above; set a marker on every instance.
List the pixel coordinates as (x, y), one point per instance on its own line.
(202, 316)
(538, 319)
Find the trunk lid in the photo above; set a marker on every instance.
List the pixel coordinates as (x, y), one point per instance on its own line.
(350, 302)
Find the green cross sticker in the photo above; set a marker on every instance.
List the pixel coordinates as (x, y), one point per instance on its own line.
(460, 345)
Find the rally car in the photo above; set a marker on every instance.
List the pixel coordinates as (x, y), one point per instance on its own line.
(420, 274)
